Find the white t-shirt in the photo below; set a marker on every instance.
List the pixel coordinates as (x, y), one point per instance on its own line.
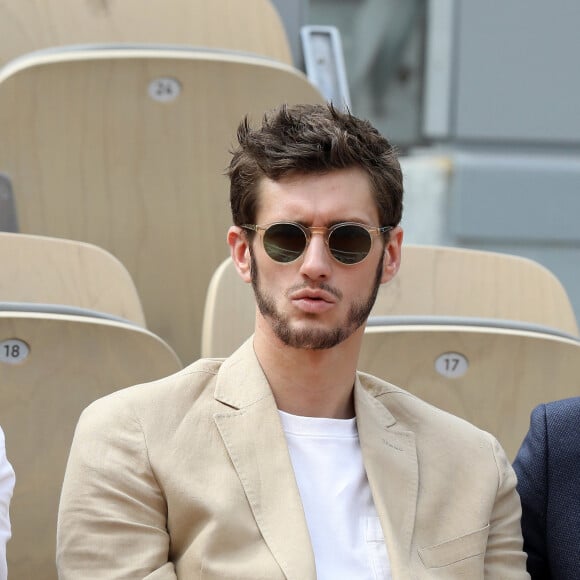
(344, 527)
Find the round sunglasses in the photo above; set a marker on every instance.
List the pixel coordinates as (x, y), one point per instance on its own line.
(348, 242)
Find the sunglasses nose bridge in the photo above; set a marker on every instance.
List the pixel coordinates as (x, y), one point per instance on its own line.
(316, 256)
(316, 231)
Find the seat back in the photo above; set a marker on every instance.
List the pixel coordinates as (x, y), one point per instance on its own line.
(492, 377)
(127, 164)
(53, 271)
(445, 281)
(51, 368)
(229, 312)
(250, 26)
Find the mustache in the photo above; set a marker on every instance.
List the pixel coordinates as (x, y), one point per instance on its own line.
(321, 286)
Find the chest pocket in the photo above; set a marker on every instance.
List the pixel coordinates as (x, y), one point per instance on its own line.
(455, 550)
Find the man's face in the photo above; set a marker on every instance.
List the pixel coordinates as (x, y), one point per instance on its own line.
(316, 302)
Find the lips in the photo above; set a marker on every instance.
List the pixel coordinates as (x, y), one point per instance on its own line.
(313, 301)
(313, 294)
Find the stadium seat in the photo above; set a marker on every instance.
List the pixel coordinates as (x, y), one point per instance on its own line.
(493, 377)
(229, 312)
(51, 367)
(250, 26)
(446, 281)
(52, 273)
(129, 148)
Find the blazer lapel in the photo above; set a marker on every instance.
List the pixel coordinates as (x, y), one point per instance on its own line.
(390, 459)
(252, 434)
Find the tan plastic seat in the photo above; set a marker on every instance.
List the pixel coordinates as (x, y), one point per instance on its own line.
(492, 377)
(250, 26)
(123, 163)
(446, 281)
(71, 361)
(229, 313)
(54, 271)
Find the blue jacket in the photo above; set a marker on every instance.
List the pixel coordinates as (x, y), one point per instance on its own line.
(548, 470)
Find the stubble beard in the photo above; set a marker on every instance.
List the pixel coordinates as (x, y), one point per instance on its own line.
(313, 338)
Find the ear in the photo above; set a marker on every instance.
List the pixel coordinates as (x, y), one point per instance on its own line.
(392, 254)
(240, 252)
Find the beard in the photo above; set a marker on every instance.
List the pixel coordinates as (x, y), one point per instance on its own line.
(313, 338)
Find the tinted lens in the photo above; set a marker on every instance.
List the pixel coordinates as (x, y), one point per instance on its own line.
(284, 242)
(350, 244)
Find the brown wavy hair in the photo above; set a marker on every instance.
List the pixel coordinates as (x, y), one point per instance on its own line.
(306, 139)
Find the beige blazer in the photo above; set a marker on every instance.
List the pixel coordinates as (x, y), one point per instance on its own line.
(190, 477)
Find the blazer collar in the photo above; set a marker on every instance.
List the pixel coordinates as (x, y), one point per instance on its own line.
(240, 381)
(254, 439)
(390, 459)
(253, 436)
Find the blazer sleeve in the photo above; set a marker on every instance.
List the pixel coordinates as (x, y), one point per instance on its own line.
(531, 468)
(504, 557)
(112, 514)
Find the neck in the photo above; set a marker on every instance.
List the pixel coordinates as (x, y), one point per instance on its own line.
(311, 383)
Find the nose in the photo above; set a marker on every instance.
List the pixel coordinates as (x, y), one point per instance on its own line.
(316, 261)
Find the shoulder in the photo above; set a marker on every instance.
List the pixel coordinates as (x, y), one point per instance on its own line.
(451, 452)
(552, 444)
(411, 410)
(556, 418)
(430, 425)
(558, 424)
(162, 398)
(567, 410)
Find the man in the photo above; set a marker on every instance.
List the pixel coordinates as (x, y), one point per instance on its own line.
(282, 461)
(549, 485)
